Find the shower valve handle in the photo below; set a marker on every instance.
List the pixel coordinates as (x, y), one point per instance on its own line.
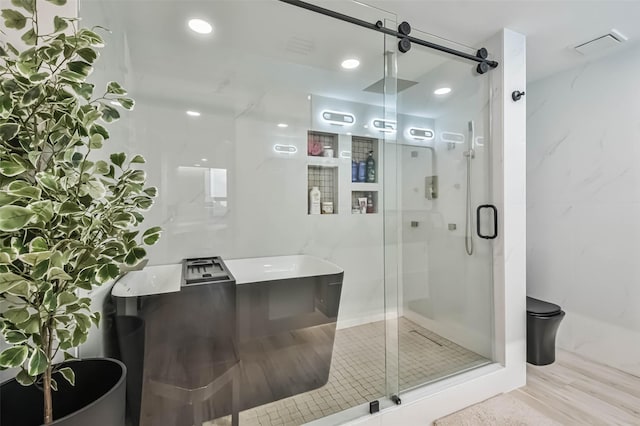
(495, 221)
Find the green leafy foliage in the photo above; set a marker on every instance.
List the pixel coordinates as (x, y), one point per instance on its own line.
(14, 218)
(14, 19)
(68, 374)
(14, 356)
(68, 212)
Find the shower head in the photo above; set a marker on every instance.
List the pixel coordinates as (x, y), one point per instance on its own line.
(472, 134)
(470, 153)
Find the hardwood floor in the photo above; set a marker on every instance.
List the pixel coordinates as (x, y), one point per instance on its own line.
(577, 391)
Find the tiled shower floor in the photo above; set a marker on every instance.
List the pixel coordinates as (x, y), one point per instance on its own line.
(357, 373)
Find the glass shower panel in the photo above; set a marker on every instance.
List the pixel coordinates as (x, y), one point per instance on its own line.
(242, 128)
(444, 170)
(391, 217)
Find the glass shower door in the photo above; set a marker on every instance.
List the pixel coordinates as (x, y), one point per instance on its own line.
(240, 128)
(445, 297)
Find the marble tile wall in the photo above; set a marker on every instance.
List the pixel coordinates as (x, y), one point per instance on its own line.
(443, 287)
(583, 205)
(262, 210)
(508, 126)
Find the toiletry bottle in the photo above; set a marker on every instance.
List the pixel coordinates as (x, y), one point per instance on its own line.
(354, 171)
(362, 171)
(314, 200)
(370, 203)
(371, 168)
(362, 202)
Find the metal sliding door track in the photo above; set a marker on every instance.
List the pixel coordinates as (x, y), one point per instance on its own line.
(404, 29)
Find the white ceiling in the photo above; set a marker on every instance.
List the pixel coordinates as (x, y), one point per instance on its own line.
(552, 27)
(249, 60)
(264, 51)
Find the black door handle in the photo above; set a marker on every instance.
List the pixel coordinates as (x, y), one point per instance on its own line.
(495, 221)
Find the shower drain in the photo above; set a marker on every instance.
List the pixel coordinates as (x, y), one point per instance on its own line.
(426, 337)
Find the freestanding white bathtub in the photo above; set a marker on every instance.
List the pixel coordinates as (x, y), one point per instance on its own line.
(258, 269)
(269, 330)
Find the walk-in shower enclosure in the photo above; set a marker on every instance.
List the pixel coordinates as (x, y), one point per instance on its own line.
(243, 126)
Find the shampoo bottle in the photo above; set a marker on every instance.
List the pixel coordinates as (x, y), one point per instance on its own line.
(314, 200)
(362, 171)
(371, 168)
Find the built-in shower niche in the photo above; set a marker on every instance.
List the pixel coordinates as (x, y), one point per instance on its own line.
(360, 148)
(363, 187)
(357, 197)
(322, 144)
(322, 170)
(325, 178)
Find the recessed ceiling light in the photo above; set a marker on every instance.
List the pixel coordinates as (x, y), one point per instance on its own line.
(442, 91)
(200, 26)
(197, 165)
(350, 64)
(193, 113)
(283, 125)
(204, 160)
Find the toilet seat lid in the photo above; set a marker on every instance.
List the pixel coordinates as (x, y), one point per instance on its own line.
(542, 308)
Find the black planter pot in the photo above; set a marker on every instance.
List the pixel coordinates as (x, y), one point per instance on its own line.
(97, 399)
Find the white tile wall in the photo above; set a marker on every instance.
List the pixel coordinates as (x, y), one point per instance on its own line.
(445, 289)
(583, 205)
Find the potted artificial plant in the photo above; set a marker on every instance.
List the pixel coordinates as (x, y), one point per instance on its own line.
(67, 222)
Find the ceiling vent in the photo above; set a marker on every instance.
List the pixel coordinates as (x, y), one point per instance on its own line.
(602, 43)
(300, 45)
